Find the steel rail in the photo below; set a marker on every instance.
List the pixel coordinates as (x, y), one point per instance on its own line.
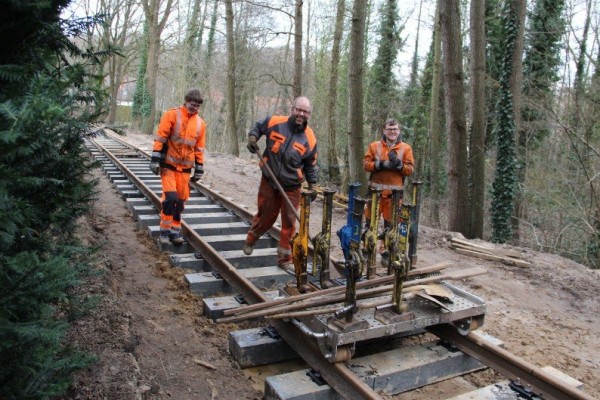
(507, 364)
(511, 366)
(205, 190)
(337, 375)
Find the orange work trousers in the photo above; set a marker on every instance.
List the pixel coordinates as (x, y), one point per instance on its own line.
(176, 191)
(270, 203)
(385, 208)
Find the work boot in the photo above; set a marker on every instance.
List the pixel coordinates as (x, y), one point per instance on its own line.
(176, 238)
(286, 264)
(164, 239)
(248, 249)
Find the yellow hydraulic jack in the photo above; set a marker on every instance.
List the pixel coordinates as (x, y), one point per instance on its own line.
(399, 263)
(322, 243)
(402, 265)
(300, 245)
(391, 237)
(370, 236)
(414, 224)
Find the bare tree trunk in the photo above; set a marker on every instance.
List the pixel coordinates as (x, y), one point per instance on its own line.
(516, 76)
(190, 50)
(231, 120)
(201, 27)
(478, 120)
(435, 127)
(116, 30)
(155, 27)
(307, 58)
(458, 212)
(283, 92)
(334, 168)
(210, 114)
(415, 100)
(414, 68)
(297, 88)
(579, 84)
(356, 145)
(516, 89)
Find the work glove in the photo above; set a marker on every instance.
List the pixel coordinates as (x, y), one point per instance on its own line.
(379, 165)
(252, 145)
(395, 162)
(198, 172)
(155, 167)
(313, 189)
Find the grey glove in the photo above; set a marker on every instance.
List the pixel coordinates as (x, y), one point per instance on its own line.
(155, 168)
(198, 172)
(313, 195)
(252, 145)
(395, 162)
(379, 165)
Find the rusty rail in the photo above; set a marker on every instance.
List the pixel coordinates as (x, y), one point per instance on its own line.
(509, 365)
(338, 376)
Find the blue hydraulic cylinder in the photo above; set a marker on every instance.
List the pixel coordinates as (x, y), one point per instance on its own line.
(352, 230)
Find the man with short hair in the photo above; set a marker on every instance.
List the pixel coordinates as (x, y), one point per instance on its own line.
(390, 161)
(178, 148)
(291, 153)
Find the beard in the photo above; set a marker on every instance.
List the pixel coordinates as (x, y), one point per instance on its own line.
(299, 123)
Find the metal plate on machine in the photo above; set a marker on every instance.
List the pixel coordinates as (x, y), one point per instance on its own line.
(422, 314)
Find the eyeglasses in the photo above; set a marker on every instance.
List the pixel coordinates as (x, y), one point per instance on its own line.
(301, 111)
(392, 129)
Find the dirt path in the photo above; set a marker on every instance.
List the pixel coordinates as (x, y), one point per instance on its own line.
(153, 343)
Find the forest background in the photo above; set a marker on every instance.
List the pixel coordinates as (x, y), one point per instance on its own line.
(500, 103)
(498, 98)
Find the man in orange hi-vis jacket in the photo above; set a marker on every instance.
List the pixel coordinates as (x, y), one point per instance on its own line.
(389, 160)
(178, 149)
(291, 153)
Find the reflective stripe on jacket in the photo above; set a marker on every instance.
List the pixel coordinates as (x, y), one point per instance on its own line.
(388, 179)
(184, 136)
(290, 150)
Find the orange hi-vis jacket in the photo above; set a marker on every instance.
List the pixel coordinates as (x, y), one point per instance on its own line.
(184, 137)
(290, 150)
(384, 179)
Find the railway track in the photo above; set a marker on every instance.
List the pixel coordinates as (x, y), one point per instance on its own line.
(215, 227)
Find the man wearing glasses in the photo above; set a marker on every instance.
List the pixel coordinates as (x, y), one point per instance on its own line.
(178, 149)
(291, 153)
(389, 160)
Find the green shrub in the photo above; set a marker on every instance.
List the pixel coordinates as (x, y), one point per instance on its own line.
(46, 106)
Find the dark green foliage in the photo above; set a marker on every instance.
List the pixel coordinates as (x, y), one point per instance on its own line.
(493, 62)
(542, 53)
(27, 26)
(46, 105)
(542, 58)
(43, 165)
(418, 124)
(382, 92)
(34, 363)
(419, 121)
(504, 189)
(416, 120)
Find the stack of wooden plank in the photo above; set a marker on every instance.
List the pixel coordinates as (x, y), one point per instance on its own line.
(488, 252)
